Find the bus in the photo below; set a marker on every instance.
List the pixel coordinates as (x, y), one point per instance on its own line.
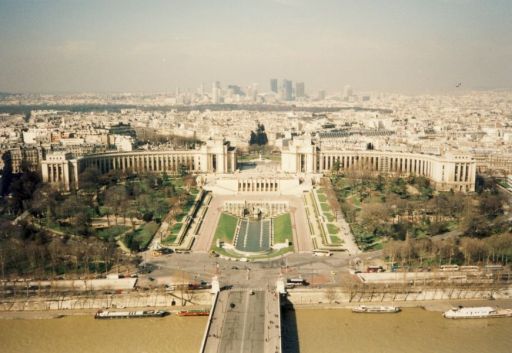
(449, 268)
(322, 252)
(298, 281)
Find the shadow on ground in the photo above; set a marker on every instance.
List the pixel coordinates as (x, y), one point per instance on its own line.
(289, 334)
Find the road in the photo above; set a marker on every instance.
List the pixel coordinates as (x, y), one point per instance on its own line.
(245, 321)
(199, 266)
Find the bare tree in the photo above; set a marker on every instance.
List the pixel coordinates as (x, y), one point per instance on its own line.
(331, 294)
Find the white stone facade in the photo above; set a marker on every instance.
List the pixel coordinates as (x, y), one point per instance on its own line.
(455, 172)
(215, 156)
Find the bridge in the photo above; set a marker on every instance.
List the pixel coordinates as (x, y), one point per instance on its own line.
(244, 321)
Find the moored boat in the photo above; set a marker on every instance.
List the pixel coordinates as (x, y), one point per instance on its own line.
(376, 309)
(198, 312)
(479, 312)
(106, 314)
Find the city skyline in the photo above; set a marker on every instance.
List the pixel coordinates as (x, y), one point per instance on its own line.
(404, 46)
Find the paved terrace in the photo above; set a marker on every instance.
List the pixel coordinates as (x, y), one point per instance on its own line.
(301, 235)
(242, 322)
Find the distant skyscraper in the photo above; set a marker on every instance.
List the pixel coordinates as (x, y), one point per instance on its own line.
(273, 85)
(347, 92)
(252, 91)
(235, 89)
(321, 95)
(299, 90)
(216, 92)
(287, 90)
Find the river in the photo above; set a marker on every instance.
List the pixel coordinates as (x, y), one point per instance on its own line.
(324, 331)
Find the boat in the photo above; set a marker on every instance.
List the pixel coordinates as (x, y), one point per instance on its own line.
(198, 312)
(479, 312)
(376, 309)
(106, 314)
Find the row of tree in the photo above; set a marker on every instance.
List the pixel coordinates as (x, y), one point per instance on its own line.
(27, 250)
(468, 251)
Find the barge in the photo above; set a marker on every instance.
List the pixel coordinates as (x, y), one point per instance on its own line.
(198, 312)
(376, 309)
(106, 314)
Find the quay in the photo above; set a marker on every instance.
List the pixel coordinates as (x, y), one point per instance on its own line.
(244, 321)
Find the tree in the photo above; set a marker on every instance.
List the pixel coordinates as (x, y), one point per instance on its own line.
(115, 198)
(491, 204)
(259, 137)
(336, 167)
(262, 135)
(90, 179)
(182, 170)
(254, 139)
(331, 294)
(21, 190)
(475, 250)
(399, 187)
(374, 214)
(45, 201)
(475, 224)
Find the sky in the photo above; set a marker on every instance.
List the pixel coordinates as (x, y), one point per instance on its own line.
(59, 46)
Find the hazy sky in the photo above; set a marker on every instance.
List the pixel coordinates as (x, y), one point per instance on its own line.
(124, 45)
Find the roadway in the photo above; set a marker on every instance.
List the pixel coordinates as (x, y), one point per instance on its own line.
(244, 321)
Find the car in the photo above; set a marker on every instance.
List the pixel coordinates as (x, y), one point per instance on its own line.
(234, 267)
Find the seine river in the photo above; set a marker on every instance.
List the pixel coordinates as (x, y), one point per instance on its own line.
(325, 331)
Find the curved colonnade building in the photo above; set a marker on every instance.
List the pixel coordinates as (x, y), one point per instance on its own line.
(447, 172)
(216, 156)
(300, 156)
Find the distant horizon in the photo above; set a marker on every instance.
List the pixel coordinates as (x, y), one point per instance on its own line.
(309, 93)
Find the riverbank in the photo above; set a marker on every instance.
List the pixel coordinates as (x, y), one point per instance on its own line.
(58, 314)
(96, 301)
(315, 298)
(434, 306)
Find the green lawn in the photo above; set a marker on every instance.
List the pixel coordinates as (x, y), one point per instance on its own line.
(226, 228)
(336, 240)
(322, 197)
(141, 237)
(332, 229)
(283, 228)
(325, 207)
(329, 216)
(112, 232)
(176, 228)
(170, 239)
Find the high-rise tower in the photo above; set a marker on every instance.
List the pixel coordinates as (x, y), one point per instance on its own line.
(299, 90)
(273, 85)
